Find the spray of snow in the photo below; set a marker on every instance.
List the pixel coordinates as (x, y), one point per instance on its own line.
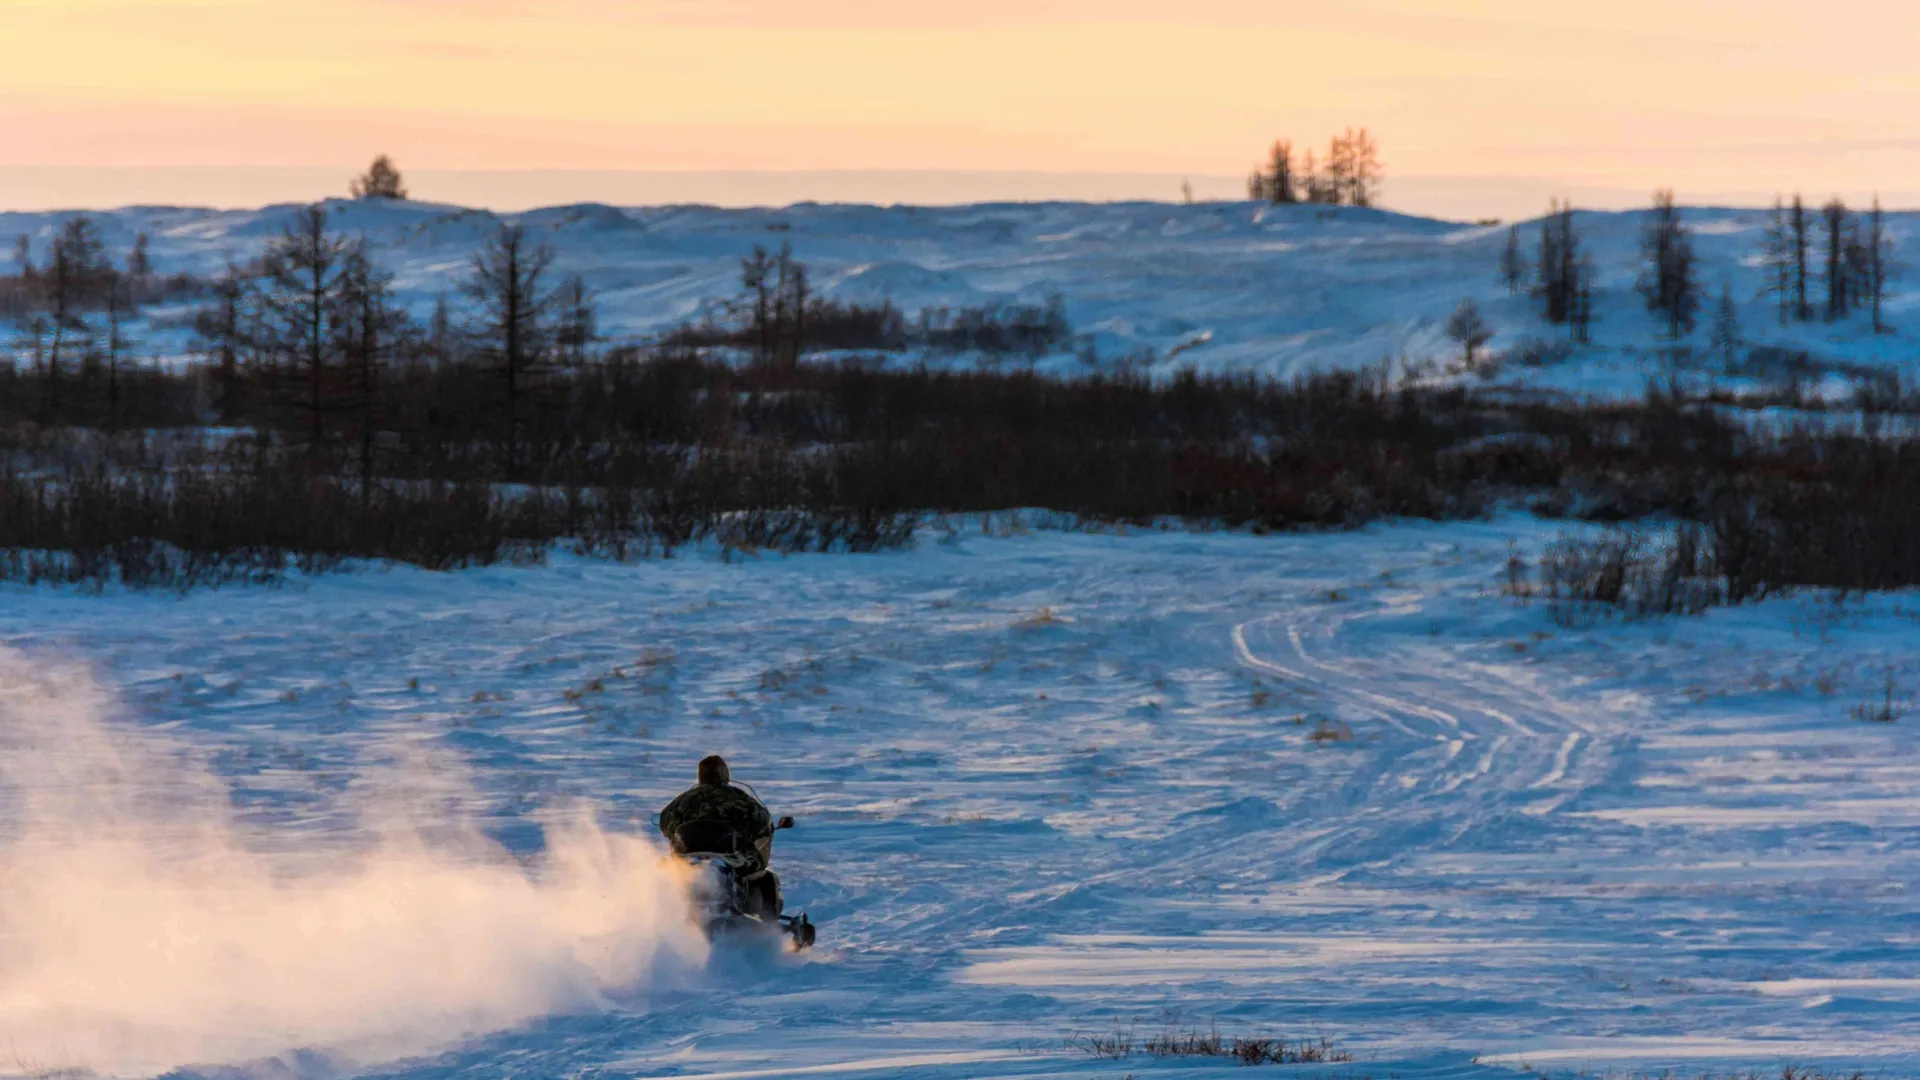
(143, 927)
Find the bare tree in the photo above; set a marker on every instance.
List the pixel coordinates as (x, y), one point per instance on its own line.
(1349, 174)
(1339, 168)
(1837, 227)
(1668, 280)
(756, 277)
(371, 329)
(509, 282)
(304, 266)
(140, 259)
(1279, 181)
(76, 270)
(1881, 264)
(1466, 327)
(1581, 317)
(779, 301)
(1364, 170)
(1726, 328)
(578, 322)
(118, 302)
(220, 333)
(1800, 231)
(1777, 258)
(380, 181)
(1560, 267)
(1513, 264)
(791, 297)
(1315, 185)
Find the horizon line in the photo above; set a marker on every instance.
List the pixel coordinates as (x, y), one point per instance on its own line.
(42, 188)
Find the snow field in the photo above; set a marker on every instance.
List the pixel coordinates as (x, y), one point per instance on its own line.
(1047, 784)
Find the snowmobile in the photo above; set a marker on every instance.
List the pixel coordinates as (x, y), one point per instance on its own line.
(727, 902)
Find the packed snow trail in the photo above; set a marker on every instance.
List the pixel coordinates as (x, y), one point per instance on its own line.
(1053, 784)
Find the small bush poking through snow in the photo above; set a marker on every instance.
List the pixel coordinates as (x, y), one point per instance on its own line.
(1331, 731)
(1882, 711)
(1623, 570)
(1116, 1045)
(1121, 1044)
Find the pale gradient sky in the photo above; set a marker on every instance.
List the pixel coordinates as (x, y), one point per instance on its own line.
(1710, 96)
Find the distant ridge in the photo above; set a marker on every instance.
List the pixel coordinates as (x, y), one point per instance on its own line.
(1461, 198)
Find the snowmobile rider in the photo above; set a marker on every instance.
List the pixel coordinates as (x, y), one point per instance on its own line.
(714, 799)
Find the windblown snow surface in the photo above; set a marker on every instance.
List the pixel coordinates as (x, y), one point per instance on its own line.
(1048, 782)
(1215, 286)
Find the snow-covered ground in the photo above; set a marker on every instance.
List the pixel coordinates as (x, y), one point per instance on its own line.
(1048, 783)
(1221, 286)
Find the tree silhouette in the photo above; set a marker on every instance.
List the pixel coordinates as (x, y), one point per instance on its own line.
(1561, 268)
(1726, 328)
(1777, 256)
(304, 266)
(1880, 264)
(1466, 327)
(1837, 226)
(381, 181)
(1668, 281)
(1513, 264)
(1799, 230)
(508, 281)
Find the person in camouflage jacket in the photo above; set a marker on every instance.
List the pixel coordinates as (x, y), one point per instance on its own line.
(714, 798)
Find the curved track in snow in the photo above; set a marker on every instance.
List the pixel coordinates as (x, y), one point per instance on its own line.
(1501, 743)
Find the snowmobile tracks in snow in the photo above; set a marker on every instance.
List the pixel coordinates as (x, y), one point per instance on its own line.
(1456, 745)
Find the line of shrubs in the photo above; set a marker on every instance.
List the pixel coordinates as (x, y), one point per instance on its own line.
(646, 453)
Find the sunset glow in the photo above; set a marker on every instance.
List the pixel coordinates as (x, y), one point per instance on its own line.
(1690, 93)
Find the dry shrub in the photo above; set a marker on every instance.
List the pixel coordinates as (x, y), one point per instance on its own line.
(1628, 571)
(1245, 1051)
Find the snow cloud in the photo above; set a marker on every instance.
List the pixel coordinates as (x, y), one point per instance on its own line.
(143, 926)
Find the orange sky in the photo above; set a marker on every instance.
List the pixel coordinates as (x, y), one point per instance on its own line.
(1699, 94)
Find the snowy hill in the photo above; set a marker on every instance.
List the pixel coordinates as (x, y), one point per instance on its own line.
(1223, 286)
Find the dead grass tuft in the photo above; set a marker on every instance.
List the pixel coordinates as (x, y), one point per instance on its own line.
(1116, 1045)
(1331, 731)
(1039, 620)
(1194, 1043)
(1883, 711)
